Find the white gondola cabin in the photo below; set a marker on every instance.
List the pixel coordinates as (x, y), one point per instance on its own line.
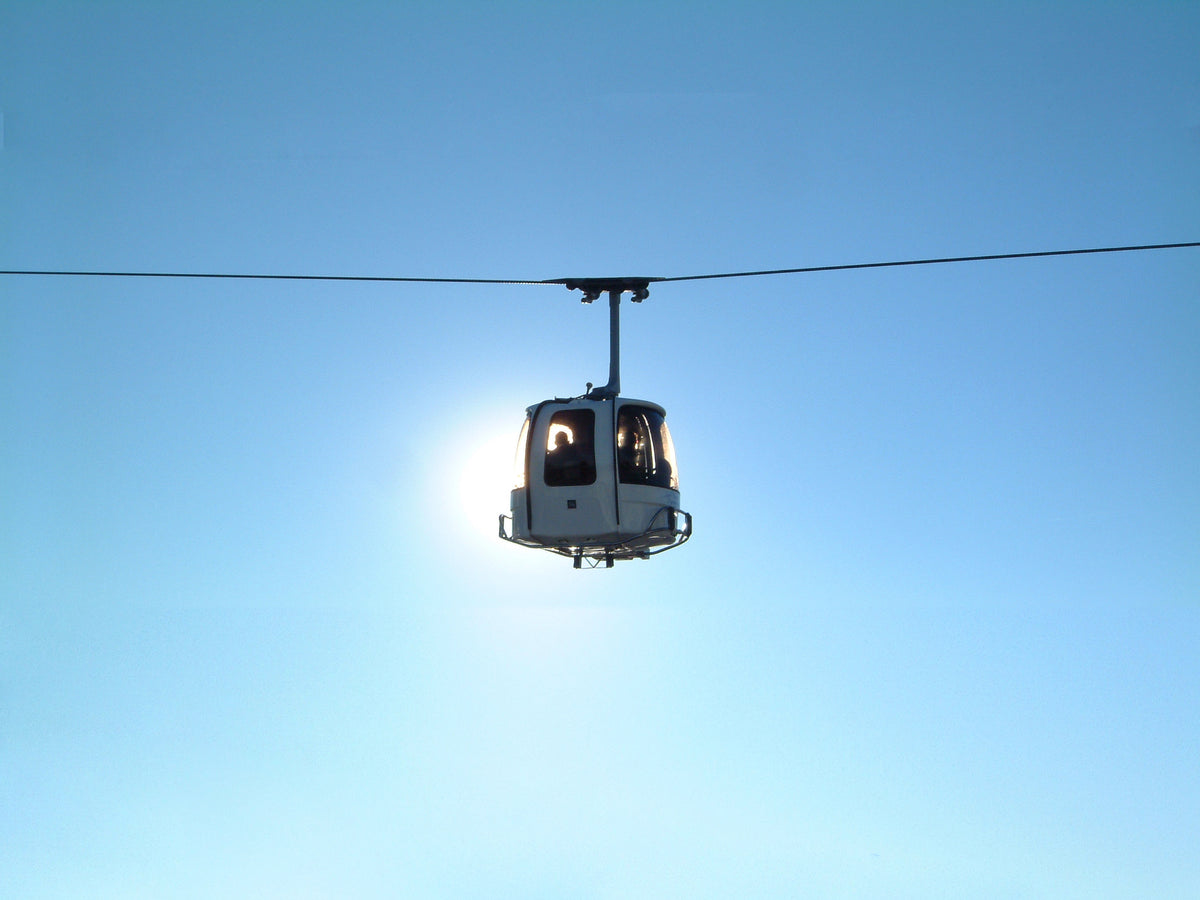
(595, 477)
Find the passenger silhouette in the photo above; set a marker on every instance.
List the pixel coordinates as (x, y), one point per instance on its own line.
(627, 460)
(565, 465)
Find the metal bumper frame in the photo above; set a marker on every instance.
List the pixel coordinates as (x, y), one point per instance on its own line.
(674, 531)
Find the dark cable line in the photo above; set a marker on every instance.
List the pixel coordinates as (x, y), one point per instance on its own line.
(270, 277)
(559, 281)
(930, 262)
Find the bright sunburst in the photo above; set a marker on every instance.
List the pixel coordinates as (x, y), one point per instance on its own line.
(484, 484)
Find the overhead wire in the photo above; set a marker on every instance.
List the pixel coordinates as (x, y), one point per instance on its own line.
(559, 281)
(934, 261)
(271, 277)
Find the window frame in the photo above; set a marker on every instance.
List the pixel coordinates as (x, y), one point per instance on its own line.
(659, 467)
(580, 425)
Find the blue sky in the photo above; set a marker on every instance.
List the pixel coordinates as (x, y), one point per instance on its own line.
(937, 632)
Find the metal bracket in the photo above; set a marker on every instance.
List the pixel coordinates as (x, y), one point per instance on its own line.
(592, 288)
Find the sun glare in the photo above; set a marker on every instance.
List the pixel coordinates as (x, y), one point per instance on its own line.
(484, 484)
(555, 431)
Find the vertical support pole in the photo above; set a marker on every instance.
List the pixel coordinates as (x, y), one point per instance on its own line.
(613, 388)
(614, 343)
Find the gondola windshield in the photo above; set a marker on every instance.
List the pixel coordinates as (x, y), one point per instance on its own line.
(518, 482)
(645, 454)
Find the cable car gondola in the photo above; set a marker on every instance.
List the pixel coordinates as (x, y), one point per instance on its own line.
(595, 476)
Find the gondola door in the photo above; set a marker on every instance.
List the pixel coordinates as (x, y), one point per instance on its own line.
(571, 479)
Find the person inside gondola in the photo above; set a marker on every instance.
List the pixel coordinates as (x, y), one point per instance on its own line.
(627, 458)
(565, 465)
